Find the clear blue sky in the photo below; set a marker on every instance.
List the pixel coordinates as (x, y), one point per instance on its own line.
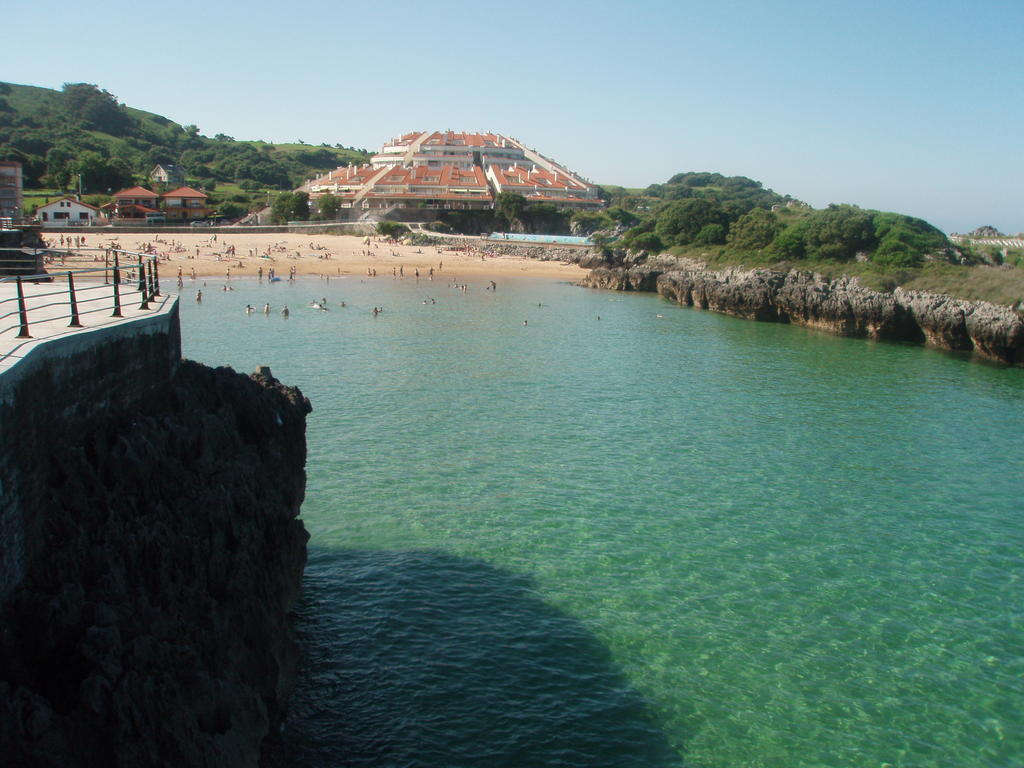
(905, 105)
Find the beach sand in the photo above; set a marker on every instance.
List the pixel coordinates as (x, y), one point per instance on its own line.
(319, 255)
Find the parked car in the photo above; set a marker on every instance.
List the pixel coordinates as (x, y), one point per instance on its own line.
(201, 223)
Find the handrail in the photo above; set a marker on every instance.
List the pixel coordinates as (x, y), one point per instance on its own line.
(86, 290)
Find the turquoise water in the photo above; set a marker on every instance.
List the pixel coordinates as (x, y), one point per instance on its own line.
(521, 238)
(662, 537)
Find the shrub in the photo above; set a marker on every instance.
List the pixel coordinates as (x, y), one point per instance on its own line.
(391, 229)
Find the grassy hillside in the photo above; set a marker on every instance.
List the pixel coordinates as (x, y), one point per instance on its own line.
(83, 130)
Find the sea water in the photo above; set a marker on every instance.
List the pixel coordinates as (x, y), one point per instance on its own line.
(552, 526)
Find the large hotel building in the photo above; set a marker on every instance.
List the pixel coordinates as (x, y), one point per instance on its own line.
(448, 170)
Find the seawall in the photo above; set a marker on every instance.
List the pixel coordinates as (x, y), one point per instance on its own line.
(150, 552)
(840, 306)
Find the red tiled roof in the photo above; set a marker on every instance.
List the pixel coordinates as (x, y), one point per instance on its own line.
(136, 192)
(184, 192)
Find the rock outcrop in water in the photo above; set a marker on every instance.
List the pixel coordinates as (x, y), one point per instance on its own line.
(150, 626)
(841, 306)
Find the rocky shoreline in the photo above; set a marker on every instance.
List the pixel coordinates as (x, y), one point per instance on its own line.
(840, 306)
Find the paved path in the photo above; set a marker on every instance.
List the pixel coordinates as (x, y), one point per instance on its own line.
(49, 312)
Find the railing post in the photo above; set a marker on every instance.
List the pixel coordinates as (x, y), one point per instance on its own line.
(152, 282)
(156, 276)
(75, 323)
(23, 311)
(142, 285)
(117, 287)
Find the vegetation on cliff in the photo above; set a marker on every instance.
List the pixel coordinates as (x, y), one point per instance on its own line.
(728, 221)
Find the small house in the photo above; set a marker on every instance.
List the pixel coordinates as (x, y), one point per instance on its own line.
(68, 212)
(171, 175)
(185, 204)
(135, 204)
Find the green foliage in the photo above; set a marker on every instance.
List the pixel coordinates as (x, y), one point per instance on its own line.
(903, 240)
(328, 206)
(838, 233)
(679, 222)
(391, 229)
(622, 216)
(509, 208)
(587, 222)
(710, 234)
(754, 230)
(290, 206)
(789, 243)
(646, 241)
(46, 129)
(94, 109)
(99, 174)
(229, 210)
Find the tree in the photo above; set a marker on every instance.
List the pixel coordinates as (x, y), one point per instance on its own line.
(328, 205)
(710, 234)
(96, 109)
(754, 230)
(510, 206)
(58, 165)
(231, 210)
(281, 210)
(679, 221)
(391, 228)
(839, 232)
(300, 206)
(646, 241)
(100, 174)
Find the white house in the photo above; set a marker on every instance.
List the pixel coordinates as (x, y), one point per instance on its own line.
(68, 212)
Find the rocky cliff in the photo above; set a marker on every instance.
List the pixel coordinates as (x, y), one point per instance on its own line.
(841, 306)
(149, 623)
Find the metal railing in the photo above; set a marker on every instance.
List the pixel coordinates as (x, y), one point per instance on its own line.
(71, 290)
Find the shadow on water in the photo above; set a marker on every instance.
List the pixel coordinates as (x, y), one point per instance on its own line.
(420, 658)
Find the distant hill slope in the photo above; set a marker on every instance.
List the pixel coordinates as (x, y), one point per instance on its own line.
(82, 129)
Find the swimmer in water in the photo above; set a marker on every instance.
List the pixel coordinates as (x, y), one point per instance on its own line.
(284, 312)
(199, 297)
(266, 308)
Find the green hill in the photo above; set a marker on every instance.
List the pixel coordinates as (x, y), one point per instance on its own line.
(83, 130)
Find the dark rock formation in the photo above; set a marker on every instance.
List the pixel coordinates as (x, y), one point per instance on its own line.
(150, 624)
(841, 306)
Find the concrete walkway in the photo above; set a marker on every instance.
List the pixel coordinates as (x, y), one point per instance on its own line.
(48, 310)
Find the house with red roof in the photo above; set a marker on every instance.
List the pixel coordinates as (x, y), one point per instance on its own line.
(135, 204)
(185, 204)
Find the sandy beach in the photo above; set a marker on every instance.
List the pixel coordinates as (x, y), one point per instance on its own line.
(216, 254)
